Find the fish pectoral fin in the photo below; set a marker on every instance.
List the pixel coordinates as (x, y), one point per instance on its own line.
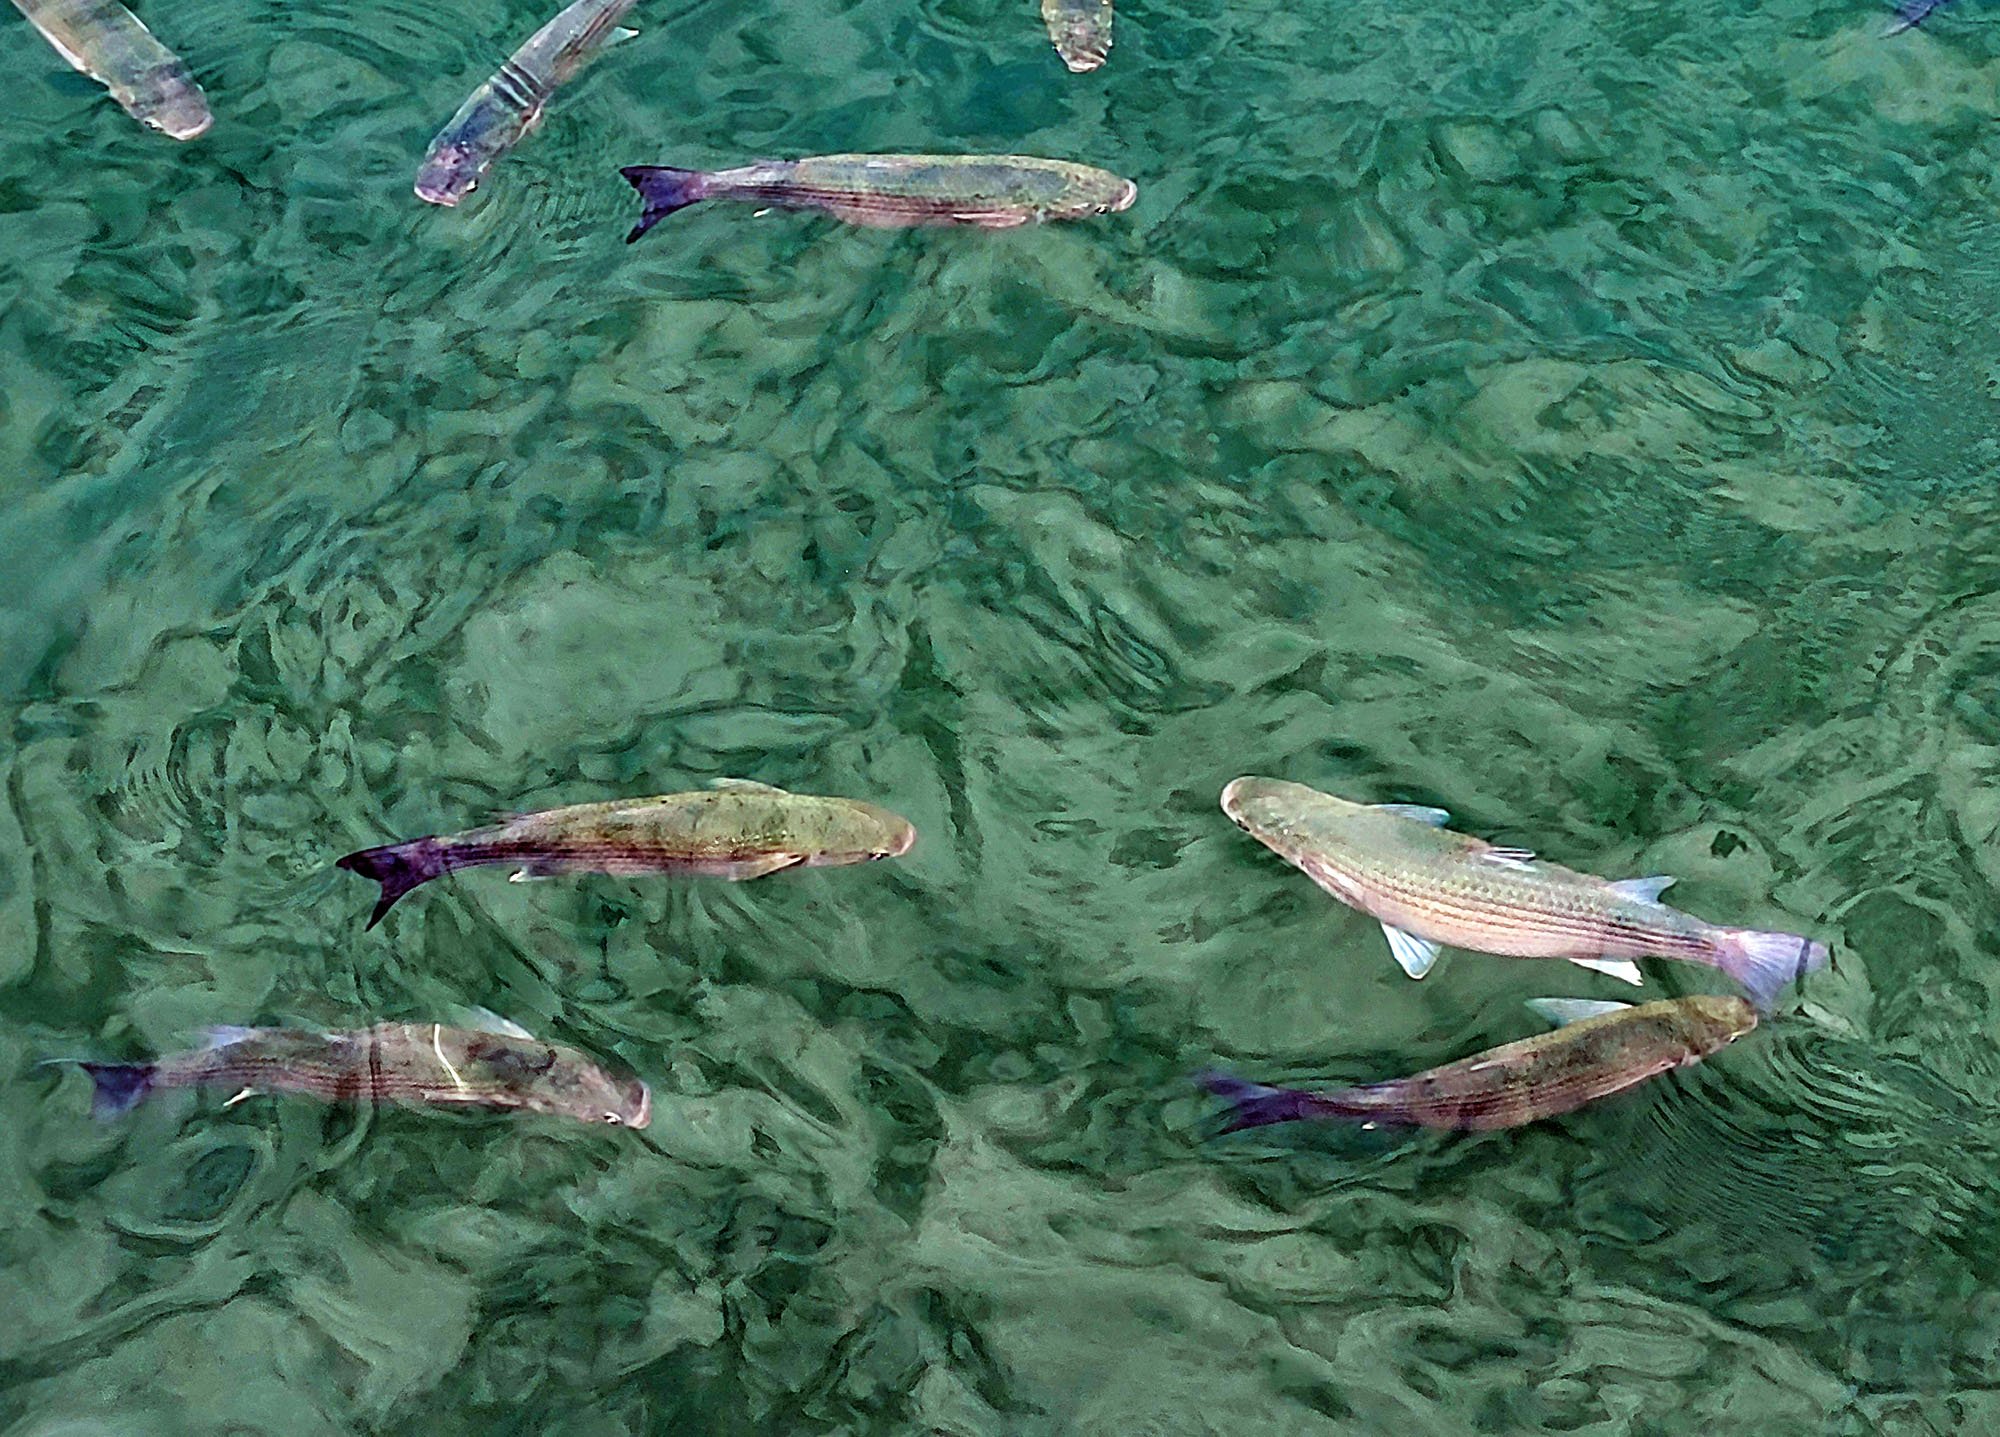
(485, 1020)
(1507, 857)
(1618, 968)
(1642, 890)
(992, 219)
(621, 34)
(769, 863)
(1563, 1011)
(534, 868)
(241, 1095)
(1414, 954)
(1416, 812)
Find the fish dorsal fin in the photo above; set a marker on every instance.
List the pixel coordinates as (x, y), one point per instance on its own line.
(1416, 812)
(1642, 890)
(1560, 1012)
(1619, 968)
(742, 785)
(485, 1020)
(1507, 857)
(224, 1035)
(1415, 955)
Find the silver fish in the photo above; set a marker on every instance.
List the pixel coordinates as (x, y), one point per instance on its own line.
(106, 42)
(1430, 887)
(1080, 31)
(501, 112)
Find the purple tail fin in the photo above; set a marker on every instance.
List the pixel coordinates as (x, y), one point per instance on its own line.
(1252, 1105)
(664, 190)
(398, 867)
(120, 1086)
(1765, 962)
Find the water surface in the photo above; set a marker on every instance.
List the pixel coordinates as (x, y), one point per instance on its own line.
(1580, 417)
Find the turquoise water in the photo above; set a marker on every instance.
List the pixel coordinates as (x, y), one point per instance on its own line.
(1577, 416)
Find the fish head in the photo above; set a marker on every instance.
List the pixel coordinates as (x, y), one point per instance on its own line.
(450, 172)
(167, 98)
(858, 832)
(578, 1088)
(1287, 817)
(1718, 1019)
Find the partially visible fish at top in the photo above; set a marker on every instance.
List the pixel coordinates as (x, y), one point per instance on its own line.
(106, 42)
(1430, 887)
(1599, 1049)
(734, 829)
(1912, 13)
(1081, 30)
(894, 191)
(494, 1065)
(501, 112)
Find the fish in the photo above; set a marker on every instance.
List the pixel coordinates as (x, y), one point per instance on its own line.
(1601, 1048)
(502, 111)
(735, 829)
(891, 191)
(494, 1066)
(1080, 30)
(105, 41)
(1909, 15)
(1430, 887)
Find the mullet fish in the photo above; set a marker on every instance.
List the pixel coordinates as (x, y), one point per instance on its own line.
(1601, 1049)
(734, 829)
(892, 191)
(496, 1066)
(1429, 887)
(106, 42)
(1081, 31)
(501, 112)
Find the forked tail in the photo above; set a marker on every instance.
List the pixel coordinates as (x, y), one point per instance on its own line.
(119, 1086)
(1252, 1105)
(398, 867)
(664, 189)
(1765, 962)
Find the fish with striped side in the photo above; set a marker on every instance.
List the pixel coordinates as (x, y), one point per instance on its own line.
(1430, 887)
(493, 1064)
(1601, 1048)
(894, 191)
(500, 113)
(736, 829)
(1080, 30)
(105, 41)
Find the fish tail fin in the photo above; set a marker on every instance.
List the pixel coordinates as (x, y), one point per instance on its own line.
(119, 1087)
(664, 189)
(398, 867)
(1765, 962)
(1252, 1105)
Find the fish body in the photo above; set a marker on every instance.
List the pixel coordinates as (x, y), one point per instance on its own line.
(890, 191)
(736, 830)
(497, 115)
(1431, 887)
(1520, 1082)
(1912, 13)
(412, 1064)
(105, 41)
(1080, 30)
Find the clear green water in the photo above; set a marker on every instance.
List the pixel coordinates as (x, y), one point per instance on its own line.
(1580, 416)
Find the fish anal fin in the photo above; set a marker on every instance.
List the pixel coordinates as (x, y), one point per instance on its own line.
(1413, 954)
(1621, 969)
